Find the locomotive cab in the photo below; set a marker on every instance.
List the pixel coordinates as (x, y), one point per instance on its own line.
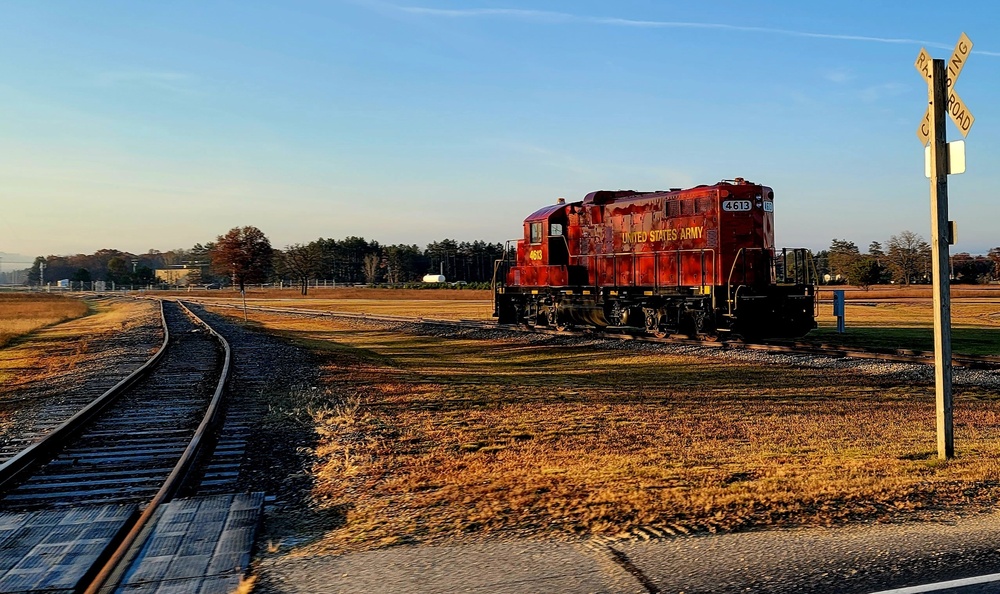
(542, 257)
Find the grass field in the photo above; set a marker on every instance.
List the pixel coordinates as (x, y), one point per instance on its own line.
(58, 339)
(23, 313)
(886, 317)
(975, 326)
(420, 438)
(425, 439)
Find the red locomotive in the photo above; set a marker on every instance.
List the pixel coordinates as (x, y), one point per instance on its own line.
(699, 262)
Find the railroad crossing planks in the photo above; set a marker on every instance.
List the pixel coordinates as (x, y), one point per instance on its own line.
(201, 544)
(52, 550)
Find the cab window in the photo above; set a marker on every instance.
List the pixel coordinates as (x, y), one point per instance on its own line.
(555, 229)
(536, 232)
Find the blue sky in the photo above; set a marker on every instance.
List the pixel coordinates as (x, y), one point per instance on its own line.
(156, 125)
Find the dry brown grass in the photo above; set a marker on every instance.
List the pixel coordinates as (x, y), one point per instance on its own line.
(972, 305)
(23, 313)
(425, 439)
(975, 325)
(911, 292)
(52, 350)
(964, 314)
(340, 293)
(431, 303)
(427, 308)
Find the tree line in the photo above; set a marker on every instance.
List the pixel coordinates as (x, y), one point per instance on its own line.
(244, 255)
(904, 259)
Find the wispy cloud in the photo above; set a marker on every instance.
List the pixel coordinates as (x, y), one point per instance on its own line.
(875, 93)
(840, 75)
(545, 16)
(174, 82)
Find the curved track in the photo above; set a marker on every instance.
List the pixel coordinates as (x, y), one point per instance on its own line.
(136, 443)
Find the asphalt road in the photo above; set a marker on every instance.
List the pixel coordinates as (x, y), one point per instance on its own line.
(861, 559)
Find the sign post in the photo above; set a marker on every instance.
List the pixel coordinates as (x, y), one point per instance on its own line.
(838, 310)
(942, 99)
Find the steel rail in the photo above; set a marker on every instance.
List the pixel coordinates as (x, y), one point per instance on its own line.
(775, 346)
(113, 566)
(15, 469)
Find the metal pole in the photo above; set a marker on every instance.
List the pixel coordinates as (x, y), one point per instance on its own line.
(940, 237)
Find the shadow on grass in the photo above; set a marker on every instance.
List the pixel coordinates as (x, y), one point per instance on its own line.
(969, 341)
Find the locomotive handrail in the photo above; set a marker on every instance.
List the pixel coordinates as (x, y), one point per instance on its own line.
(729, 281)
(807, 265)
(568, 253)
(493, 285)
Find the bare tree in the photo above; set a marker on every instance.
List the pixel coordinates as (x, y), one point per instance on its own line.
(245, 254)
(300, 262)
(370, 265)
(908, 255)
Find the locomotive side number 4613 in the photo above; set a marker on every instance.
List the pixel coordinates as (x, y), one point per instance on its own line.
(737, 205)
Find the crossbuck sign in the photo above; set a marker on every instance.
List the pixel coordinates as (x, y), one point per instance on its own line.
(959, 113)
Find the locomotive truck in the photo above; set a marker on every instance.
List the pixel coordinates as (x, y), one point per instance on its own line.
(699, 262)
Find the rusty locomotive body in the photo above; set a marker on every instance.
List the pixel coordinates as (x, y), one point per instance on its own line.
(699, 262)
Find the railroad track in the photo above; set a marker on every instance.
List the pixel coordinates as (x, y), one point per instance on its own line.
(122, 456)
(774, 346)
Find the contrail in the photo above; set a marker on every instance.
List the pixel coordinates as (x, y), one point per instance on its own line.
(545, 16)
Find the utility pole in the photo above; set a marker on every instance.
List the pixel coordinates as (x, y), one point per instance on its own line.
(940, 238)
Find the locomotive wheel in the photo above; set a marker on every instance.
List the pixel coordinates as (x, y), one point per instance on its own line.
(520, 315)
(614, 313)
(555, 320)
(653, 324)
(694, 323)
(508, 313)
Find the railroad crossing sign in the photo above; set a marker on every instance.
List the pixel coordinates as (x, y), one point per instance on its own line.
(932, 132)
(959, 113)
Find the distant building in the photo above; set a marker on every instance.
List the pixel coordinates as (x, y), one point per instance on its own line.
(180, 276)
